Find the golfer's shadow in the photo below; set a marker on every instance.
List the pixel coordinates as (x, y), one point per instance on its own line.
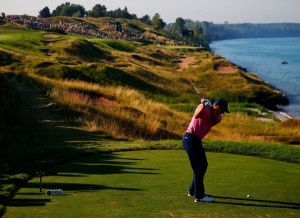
(256, 202)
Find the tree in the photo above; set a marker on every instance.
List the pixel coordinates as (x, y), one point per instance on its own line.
(56, 12)
(45, 12)
(158, 23)
(179, 26)
(146, 19)
(126, 14)
(118, 13)
(98, 11)
(180, 22)
(77, 14)
(72, 10)
(134, 16)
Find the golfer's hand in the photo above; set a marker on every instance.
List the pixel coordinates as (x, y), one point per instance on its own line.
(202, 100)
(206, 102)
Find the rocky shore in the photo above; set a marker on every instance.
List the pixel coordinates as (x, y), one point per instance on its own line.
(280, 115)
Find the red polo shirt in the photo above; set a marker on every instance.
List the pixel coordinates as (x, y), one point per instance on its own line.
(202, 125)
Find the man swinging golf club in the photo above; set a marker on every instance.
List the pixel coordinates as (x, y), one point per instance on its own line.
(205, 117)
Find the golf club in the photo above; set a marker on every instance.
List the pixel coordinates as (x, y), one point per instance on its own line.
(186, 76)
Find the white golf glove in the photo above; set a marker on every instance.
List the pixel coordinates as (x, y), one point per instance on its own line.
(206, 102)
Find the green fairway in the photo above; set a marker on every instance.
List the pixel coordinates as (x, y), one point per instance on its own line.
(155, 184)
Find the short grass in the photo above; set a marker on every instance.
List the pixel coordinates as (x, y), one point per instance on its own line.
(24, 42)
(155, 183)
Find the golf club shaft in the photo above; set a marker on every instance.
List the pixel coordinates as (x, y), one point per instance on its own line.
(186, 76)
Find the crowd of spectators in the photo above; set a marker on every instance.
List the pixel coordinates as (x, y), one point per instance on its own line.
(82, 28)
(34, 22)
(110, 29)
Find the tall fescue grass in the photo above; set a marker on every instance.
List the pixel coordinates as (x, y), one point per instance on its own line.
(126, 113)
(119, 111)
(242, 127)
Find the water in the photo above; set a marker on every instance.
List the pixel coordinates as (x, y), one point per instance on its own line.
(263, 56)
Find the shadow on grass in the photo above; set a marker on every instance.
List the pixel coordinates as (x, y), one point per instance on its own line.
(256, 202)
(76, 187)
(106, 163)
(50, 144)
(44, 137)
(27, 202)
(100, 164)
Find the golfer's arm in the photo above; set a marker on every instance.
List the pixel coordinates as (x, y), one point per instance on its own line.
(198, 110)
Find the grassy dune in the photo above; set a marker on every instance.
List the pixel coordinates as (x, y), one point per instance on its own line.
(77, 95)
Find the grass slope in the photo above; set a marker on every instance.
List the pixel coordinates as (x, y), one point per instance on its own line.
(80, 72)
(155, 183)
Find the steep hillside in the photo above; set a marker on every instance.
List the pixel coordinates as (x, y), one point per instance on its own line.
(129, 78)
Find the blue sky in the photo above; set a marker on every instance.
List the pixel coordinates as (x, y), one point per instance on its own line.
(217, 11)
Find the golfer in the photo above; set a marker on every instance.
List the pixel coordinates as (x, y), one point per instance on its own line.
(205, 117)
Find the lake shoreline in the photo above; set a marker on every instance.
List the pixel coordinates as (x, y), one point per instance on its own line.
(264, 58)
(278, 112)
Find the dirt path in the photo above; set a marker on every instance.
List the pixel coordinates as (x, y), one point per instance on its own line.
(221, 69)
(51, 36)
(186, 61)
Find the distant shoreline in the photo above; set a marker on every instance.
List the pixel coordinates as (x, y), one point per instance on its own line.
(258, 57)
(280, 114)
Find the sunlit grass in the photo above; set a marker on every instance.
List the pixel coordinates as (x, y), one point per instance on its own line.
(127, 113)
(142, 184)
(241, 127)
(120, 111)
